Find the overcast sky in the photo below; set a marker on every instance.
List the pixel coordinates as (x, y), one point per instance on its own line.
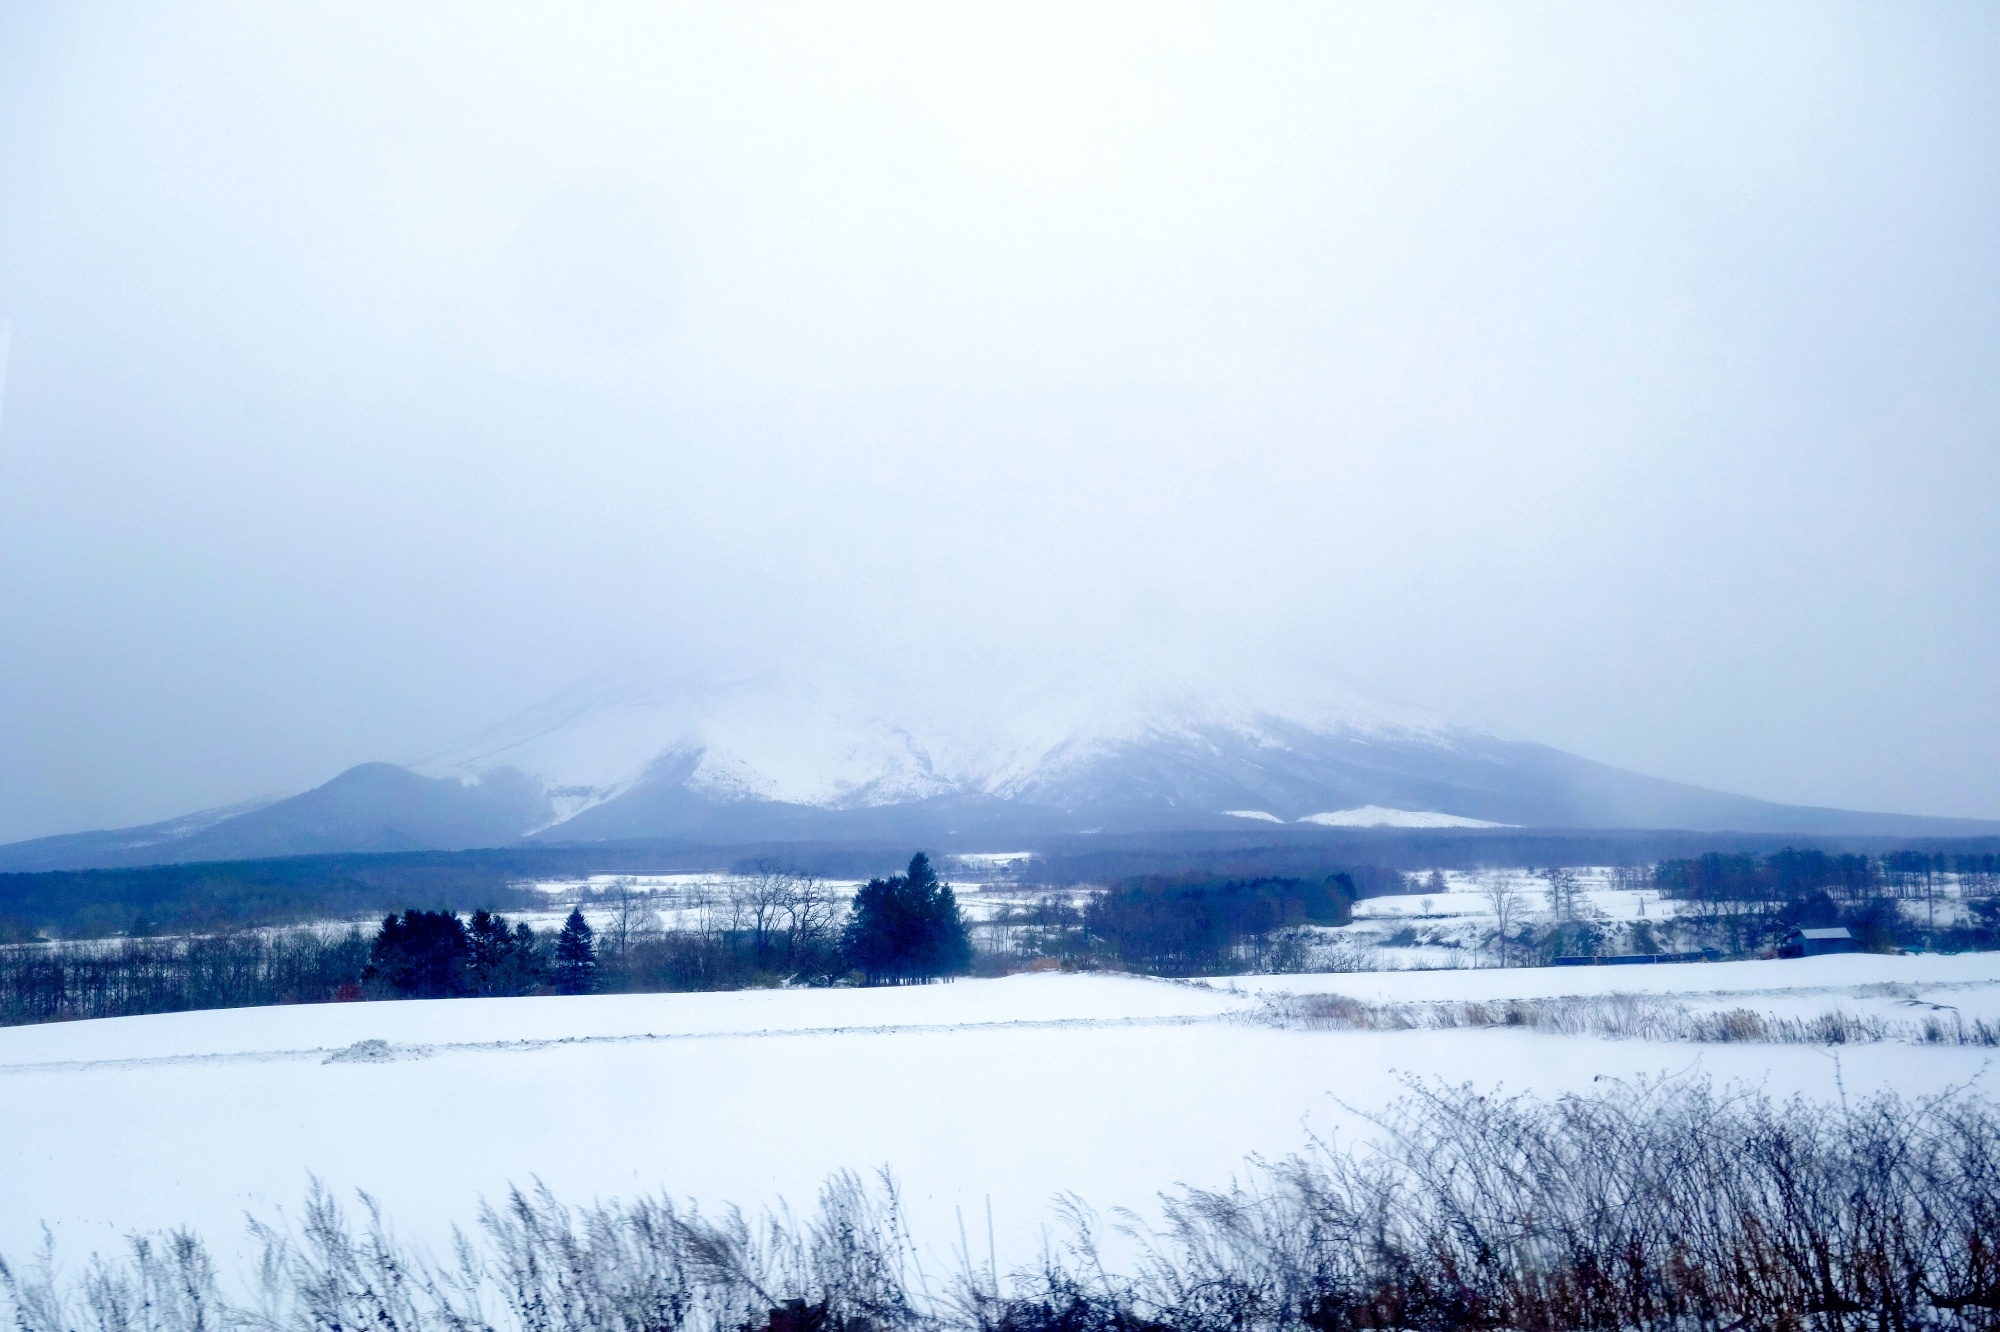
(1625, 378)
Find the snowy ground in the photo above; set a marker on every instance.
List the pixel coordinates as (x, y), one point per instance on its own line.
(1012, 1091)
(1451, 927)
(1891, 988)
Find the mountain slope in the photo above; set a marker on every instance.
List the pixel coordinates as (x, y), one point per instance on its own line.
(149, 843)
(373, 807)
(1193, 777)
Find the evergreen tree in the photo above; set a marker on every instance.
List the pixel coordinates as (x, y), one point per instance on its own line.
(576, 958)
(419, 955)
(906, 928)
(501, 961)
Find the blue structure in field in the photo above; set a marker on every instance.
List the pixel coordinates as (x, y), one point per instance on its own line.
(1636, 959)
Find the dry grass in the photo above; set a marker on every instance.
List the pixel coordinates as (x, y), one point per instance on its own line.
(1627, 1017)
(1658, 1206)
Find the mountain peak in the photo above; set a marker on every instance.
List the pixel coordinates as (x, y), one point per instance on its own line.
(795, 739)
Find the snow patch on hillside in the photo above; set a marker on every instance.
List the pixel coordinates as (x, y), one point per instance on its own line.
(1381, 816)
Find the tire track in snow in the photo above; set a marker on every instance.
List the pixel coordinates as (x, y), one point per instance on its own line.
(404, 1051)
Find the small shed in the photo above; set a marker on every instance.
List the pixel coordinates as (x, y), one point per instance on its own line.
(1814, 943)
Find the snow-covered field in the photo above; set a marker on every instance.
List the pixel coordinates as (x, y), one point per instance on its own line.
(1452, 925)
(1012, 1091)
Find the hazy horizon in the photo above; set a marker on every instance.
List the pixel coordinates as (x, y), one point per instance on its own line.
(1622, 379)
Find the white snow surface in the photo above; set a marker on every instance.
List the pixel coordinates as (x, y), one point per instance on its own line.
(1970, 982)
(1012, 1091)
(1381, 816)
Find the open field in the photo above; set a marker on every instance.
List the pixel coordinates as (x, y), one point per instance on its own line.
(1013, 1091)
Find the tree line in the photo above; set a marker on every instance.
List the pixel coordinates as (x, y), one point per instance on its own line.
(775, 925)
(780, 927)
(233, 896)
(1749, 903)
(1792, 872)
(119, 978)
(772, 926)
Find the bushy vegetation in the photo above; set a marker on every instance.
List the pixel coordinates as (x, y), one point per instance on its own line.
(1630, 1017)
(1655, 1207)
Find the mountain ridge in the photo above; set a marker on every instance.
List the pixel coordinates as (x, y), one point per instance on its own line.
(750, 762)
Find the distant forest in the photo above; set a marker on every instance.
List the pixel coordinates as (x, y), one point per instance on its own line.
(769, 927)
(1746, 903)
(170, 938)
(247, 894)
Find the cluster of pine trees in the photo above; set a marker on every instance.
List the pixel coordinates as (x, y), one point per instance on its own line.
(906, 928)
(435, 955)
(901, 929)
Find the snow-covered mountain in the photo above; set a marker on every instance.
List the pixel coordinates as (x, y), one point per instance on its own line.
(789, 756)
(764, 739)
(795, 741)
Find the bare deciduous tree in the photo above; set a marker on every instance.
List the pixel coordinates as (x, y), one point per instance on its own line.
(1505, 902)
(627, 915)
(784, 911)
(757, 905)
(812, 912)
(1563, 892)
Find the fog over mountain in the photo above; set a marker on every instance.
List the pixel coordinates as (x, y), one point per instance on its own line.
(1619, 379)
